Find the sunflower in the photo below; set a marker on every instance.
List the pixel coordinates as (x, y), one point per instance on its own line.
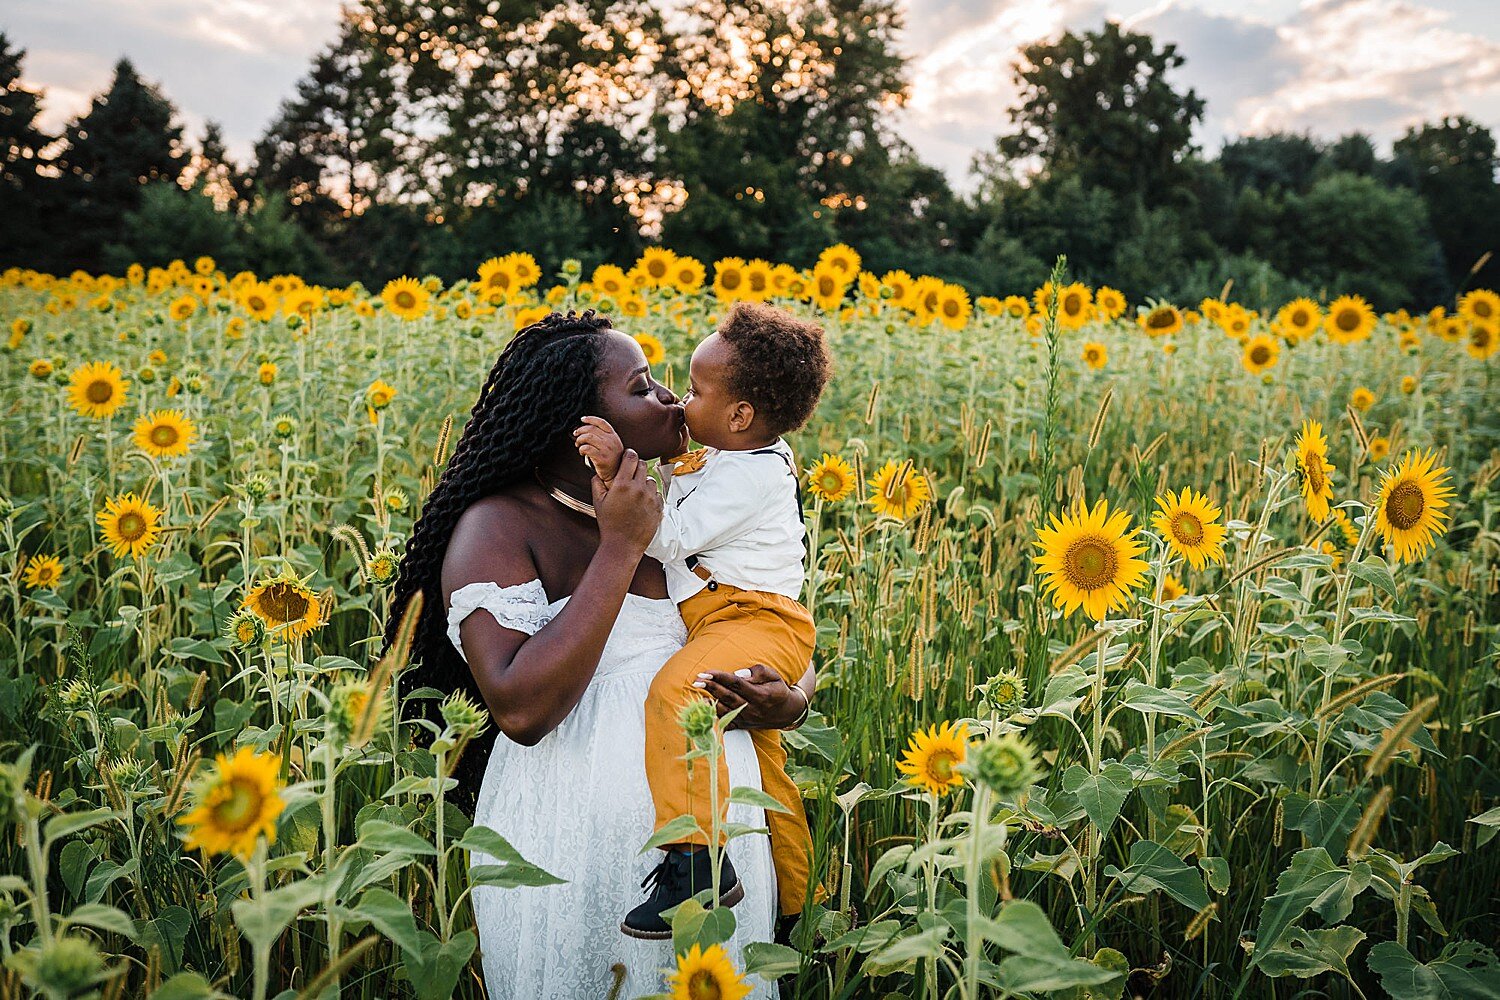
(706, 975)
(1110, 302)
(1408, 384)
(1090, 559)
(266, 373)
(1075, 303)
(205, 265)
(687, 274)
(531, 315)
(758, 276)
(842, 258)
(1481, 306)
(1483, 341)
(1409, 511)
(164, 433)
(608, 280)
(1361, 398)
(1299, 319)
(239, 803)
(97, 389)
(40, 369)
(924, 298)
(899, 491)
(1016, 306)
(130, 524)
(652, 348)
(1349, 319)
(899, 282)
(655, 263)
(302, 302)
(1095, 355)
(729, 278)
(1171, 589)
(1189, 522)
(830, 478)
(524, 268)
(495, 279)
(1314, 469)
(828, 287)
(953, 308)
(287, 606)
(182, 308)
(1380, 447)
(379, 395)
(43, 571)
(1162, 321)
(931, 759)
(406, 298)
(1261, 354)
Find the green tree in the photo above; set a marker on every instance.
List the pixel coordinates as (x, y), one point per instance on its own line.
(1453, 163)
(173, 223)
(1098, 105)
(1281, 161)
(23, 190)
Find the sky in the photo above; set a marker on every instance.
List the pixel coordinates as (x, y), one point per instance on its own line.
(1324, 66)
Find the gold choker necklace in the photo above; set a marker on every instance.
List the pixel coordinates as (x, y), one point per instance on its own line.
(565, 500)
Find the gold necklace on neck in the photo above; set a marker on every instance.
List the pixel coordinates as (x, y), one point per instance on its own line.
(569, 502)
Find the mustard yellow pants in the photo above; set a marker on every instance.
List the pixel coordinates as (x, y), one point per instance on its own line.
(730, 629)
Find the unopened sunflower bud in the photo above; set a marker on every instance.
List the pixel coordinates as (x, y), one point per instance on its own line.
(1004, 693)
(346, 707)
(285, 426)
(64, 967)
(246, 630)
(257, 487)
(1004, 763)
(463, 716)
(697, 720)
(383, 568)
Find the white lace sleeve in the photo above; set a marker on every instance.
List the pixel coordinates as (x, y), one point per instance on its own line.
(522, 607)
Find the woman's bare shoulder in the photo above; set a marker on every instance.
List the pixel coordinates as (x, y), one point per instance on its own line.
(491, 541)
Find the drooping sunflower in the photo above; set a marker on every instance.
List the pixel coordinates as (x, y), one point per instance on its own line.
(1314, 469)
(1299, 319)
(1409, 511)
(706, 975)
(1261, 354)
(1483, 341)
(831, 478)
(405, 298)
(43, 571)
(164, 433)
(1090, 560)
(131, 525)
(729, 278)
(97, 389)
(1189, 521)
(953, 308)
(288, 606)
(40, 369)
(1110, 302)
(1095, 355)
(932, 757)
(842, 258)
(656, 264)
(1408, 384)
(652, 348)
(1162, 321)
(1075, 304)
(1349, 319)
(898, 490)
(237, 805)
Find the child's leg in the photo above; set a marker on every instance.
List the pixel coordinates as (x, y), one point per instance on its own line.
(791, 842)
(676, 789)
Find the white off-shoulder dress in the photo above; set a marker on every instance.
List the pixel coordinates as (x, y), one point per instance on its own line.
(578, 805)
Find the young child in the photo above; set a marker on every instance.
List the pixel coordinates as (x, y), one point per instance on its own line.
(731, 542)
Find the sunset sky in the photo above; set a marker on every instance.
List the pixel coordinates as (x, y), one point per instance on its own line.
(1329, 66)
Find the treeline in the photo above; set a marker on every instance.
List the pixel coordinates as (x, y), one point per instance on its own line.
(427, 138)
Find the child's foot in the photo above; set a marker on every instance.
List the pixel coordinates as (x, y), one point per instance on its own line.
(680, 876)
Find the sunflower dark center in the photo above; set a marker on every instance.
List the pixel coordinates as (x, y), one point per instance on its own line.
(704, 985)
(1299, 318)
(164, 435)
(1090, 563)
(1260, 354)
(1187, 527)
(282, 603)
(657, 269)
(99, 391)
(1161, 318)
(1348, 320)
(951, 307)
(131, 526)
(831, 481)
(405, 299)
(1405, 505)
(731, 279)
(240, 807)
(940, 764)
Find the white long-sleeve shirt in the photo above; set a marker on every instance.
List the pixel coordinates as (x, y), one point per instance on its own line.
(740, 515)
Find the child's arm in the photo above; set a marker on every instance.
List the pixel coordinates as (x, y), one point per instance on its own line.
(597, 441)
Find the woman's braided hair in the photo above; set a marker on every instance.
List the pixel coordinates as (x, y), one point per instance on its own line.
(544, 382)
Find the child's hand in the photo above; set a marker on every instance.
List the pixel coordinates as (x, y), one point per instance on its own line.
(597, 441)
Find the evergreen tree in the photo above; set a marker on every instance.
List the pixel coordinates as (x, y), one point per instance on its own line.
(127, 140)
(22, 145)
(212, 169)
(1453, 163)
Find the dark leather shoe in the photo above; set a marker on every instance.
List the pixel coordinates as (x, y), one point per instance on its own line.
(680, 876)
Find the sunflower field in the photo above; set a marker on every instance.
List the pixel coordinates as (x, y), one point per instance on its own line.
(1157, 641)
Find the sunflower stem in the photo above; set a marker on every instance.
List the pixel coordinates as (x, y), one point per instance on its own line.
(1325, 721)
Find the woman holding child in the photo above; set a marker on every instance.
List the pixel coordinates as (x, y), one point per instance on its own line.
(580, 620)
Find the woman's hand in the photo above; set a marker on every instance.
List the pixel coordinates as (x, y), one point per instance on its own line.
(770, 702)
(629, 508)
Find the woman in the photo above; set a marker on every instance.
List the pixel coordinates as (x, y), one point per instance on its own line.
(577, 623)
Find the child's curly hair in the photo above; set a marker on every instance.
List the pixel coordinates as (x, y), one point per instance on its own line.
(782, 363)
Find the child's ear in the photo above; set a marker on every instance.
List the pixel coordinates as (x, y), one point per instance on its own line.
(742, 416)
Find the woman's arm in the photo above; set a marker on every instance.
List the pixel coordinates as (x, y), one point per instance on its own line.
(769, 702)
(531, 683)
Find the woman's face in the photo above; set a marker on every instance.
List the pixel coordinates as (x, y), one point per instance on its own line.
(646, 415)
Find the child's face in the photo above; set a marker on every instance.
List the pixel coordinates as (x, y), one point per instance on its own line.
(715, 417)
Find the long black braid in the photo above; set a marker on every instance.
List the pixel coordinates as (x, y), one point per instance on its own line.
(543, 383)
